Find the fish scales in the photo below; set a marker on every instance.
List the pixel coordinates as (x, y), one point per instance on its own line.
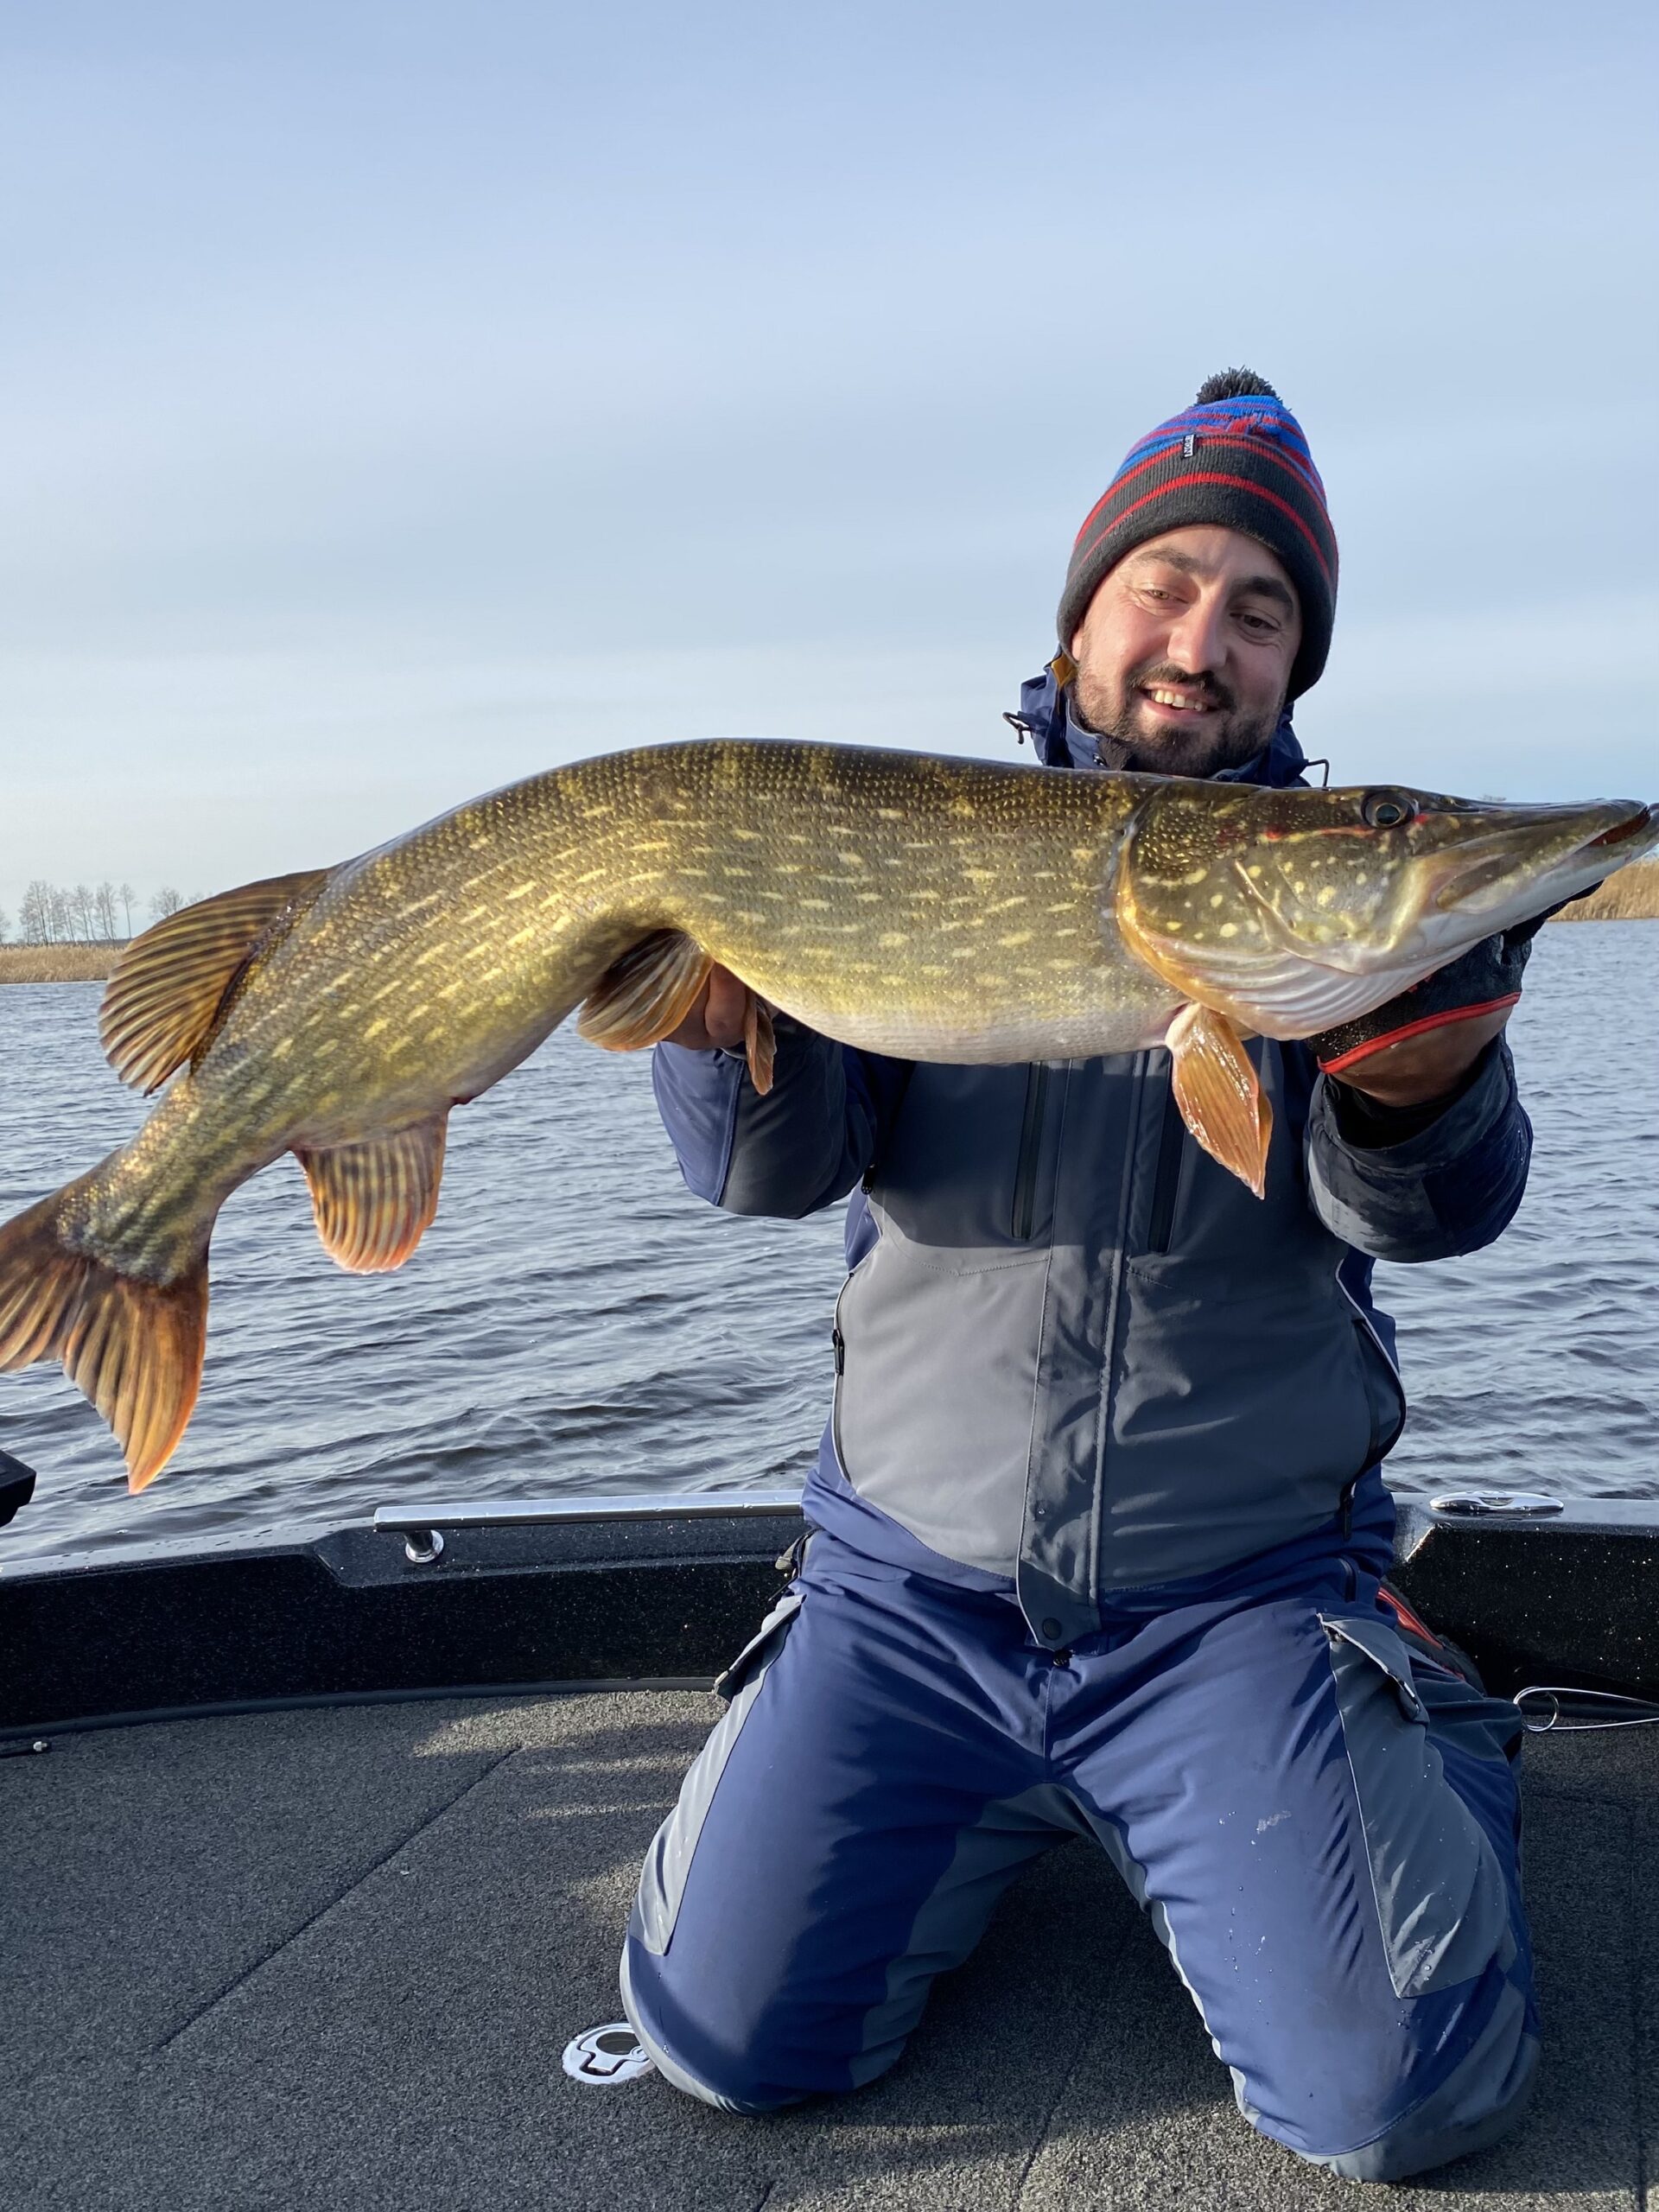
(933, 909)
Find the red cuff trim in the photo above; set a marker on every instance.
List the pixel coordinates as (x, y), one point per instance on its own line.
(1415, 1029)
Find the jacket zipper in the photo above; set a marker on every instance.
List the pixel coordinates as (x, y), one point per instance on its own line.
(1031, 1132)
(1167, 1177)
(1364, 1320)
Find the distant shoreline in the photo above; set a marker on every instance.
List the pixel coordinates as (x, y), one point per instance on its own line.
(1631, 896)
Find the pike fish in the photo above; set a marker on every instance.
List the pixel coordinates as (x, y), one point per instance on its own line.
(932, 909)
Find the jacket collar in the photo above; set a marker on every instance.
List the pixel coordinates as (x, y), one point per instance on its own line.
(1059, 741)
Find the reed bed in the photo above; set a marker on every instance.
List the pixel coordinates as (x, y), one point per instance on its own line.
(56, 963)
(1632, 895)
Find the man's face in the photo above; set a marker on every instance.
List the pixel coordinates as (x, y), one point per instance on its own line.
(1185, 653)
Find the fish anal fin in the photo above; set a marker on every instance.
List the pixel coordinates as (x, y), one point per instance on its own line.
(1215, 1088)
(170, 986)
(373, 1199)
(133, 1346)
(646, 994)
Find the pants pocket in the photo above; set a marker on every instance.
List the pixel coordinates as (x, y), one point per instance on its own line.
(668, 1862)
(1441, 1901)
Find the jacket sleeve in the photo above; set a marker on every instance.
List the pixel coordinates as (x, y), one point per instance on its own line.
(801, 1147)
(1444, 1188)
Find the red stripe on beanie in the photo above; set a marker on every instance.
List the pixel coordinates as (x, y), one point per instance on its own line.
(1232, 483)
(1258, 447)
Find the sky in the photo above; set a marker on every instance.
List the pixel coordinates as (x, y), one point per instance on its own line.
(396, 400)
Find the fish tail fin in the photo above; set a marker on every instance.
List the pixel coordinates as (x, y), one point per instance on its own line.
(133, 1347)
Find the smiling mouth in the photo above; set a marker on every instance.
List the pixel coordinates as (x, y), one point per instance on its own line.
(1176, 699)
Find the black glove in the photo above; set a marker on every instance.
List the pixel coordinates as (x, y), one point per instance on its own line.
(1479, 981)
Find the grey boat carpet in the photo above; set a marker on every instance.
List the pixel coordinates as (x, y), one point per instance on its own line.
(330, 1959)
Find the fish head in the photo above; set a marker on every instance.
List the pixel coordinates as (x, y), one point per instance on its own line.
(1291, 911)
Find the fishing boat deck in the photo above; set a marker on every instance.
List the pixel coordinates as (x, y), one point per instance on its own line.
(332, 1956)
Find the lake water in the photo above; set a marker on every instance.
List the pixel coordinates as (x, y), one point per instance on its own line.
(575, 1321)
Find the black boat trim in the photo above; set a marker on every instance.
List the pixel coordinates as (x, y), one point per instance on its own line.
(598, 1593)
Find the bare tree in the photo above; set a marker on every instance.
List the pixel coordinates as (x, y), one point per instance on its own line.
(126, 895)
(5, 925)
(63, 920)
(83, 910)
(34, 915)
(166, 901)
(104, 900)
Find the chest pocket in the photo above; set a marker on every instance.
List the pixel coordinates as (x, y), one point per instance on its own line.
(968, 1179)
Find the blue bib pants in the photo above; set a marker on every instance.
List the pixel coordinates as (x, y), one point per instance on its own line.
(1323, 1828)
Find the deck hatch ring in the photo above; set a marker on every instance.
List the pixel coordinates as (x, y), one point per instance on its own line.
(603, 2057)
(1495, 1505)
(422, 1546)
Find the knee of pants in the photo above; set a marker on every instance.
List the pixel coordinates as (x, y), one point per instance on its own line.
(1450, 2116)
(690, 2052)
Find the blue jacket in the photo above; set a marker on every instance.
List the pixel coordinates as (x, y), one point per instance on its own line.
(1072, 1354)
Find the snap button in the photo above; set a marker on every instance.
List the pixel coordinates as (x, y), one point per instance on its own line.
(1052, 1631)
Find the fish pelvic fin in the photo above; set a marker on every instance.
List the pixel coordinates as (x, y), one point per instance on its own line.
(1217, 1090)
(172, 985)
(646, 994)
(759, 1042)
(373, 1200)
(133, 1347)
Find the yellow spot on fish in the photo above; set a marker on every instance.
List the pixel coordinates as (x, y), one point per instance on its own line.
(1019, 936)
(1230, 928)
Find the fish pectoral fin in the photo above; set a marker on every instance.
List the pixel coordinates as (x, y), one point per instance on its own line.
(374, 1199)
(170, 985)
(1215, 1088)
(646, 994)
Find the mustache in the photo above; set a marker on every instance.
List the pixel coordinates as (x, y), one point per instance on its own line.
(1165, 674)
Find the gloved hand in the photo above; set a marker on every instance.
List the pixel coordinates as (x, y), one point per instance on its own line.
(1486, 980)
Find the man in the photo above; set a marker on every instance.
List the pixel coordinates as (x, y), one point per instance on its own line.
(1099, 1521)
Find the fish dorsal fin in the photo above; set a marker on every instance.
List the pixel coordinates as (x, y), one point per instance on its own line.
(647, 993)
(170, 984)
(373, 1199)
(1215, 1088)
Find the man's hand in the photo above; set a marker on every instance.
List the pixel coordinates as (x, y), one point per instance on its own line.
(719, 1019)
(1419, 1046)
(1420, 1069)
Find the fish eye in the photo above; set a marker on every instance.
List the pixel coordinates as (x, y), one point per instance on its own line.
(1388, 809)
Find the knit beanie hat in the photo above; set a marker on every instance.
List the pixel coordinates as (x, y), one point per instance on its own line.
(1237, 457)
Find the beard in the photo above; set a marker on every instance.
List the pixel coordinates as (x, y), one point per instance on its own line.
(1132, 738)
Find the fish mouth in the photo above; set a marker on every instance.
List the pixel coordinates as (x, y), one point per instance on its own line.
(1647, 819)
(1493, 873)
